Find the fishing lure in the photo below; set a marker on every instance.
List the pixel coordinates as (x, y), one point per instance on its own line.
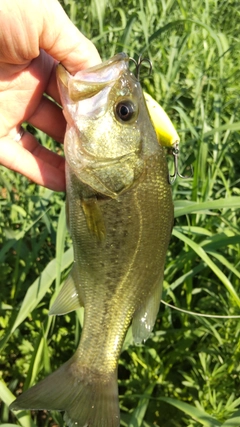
(165, 130)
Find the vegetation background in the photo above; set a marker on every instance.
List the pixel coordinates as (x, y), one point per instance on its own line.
(188, 373)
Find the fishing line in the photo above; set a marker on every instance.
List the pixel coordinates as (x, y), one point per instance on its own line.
(213, 316)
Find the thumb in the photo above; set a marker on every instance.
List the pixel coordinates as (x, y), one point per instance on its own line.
(64, 42)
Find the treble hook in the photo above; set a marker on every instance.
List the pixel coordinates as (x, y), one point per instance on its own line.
(138, 65)
(172, 178)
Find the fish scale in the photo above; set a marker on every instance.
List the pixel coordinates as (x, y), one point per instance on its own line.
(120, 216)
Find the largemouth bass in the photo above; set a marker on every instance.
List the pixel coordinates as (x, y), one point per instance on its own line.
(120, 215)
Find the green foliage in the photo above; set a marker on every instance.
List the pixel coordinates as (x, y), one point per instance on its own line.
(187, 374)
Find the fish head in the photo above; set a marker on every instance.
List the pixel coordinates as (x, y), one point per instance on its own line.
(105, 111)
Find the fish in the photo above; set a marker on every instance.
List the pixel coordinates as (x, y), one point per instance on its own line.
(120, 216)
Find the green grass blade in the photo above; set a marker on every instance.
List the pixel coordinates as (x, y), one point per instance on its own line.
(139, 413)
(7, 397)
(203, 255)
(233, 421)
(186, 207)
(126, 37)
(9, 425)
(40, 286)
(18, 236)
(228, 126)
(5, 394)
(224, 262)
(199, 415)
(38, 359)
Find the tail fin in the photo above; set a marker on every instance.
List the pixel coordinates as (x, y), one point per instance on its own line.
(87, 398)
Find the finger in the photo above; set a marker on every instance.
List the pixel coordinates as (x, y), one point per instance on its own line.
(52, 87)
(48, 117)
(21, 94)
(37, 163)
(64, 42)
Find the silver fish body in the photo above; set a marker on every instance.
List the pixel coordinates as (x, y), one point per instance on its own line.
(120, 216)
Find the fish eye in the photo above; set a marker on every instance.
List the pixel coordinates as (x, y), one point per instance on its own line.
(125, 111)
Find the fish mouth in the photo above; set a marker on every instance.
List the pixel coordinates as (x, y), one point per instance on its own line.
(88, 82)
(104, 70)
(85, 93)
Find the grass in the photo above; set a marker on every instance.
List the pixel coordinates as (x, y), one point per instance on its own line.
(187, 373)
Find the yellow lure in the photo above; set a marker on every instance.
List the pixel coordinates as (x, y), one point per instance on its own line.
(166, 133)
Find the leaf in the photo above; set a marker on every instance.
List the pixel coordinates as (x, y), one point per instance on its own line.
(9, 425)
(233, 421)
(125, 40)
(37, 291)
(11, 242)
(203, 255)
(228, 126)
(5, 394)
(140, 411)
(40, 286)
(23, 416)
(197, 414)
(185, 207)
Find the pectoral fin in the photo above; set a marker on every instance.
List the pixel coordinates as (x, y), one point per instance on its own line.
(144, 319)
(94, 218)
(69, 298)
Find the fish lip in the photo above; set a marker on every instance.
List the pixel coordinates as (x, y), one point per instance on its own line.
(105, 73)
(64, 77)
(122, 56)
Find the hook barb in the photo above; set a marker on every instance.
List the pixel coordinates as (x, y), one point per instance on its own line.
(138, 65)
(176, 153)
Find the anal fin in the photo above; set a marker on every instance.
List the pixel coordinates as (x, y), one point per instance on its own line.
(145, 317)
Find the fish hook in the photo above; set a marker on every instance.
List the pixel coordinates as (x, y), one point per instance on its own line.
(139, 64)
(172, 178)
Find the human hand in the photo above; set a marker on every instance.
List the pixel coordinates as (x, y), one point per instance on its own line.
(34, 36)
